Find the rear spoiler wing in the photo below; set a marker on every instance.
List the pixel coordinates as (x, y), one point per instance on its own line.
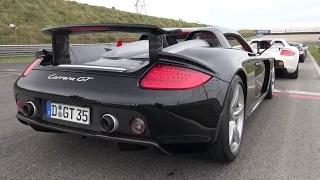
(60, 37)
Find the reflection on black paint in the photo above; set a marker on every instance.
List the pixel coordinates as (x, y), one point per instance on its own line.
(206, 112)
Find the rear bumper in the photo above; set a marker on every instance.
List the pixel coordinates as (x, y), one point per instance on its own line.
(279, 68)
(179, 129)
(175, 135)
(175, 122)
(152, 144)
(279, 64)
(290, 64)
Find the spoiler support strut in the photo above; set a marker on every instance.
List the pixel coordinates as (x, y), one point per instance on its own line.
(60, 48)
(155, 45)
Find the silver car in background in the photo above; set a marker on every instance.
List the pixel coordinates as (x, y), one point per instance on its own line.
(302, 50)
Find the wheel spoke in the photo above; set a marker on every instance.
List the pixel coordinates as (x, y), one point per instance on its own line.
(236, 118)
(236, 135)
(235, 97)
(232, 126)
(239, 110)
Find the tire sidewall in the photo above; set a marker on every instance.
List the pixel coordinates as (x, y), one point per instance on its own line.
(224, 128)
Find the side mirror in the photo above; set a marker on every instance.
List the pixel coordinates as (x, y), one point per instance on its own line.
(41, 53)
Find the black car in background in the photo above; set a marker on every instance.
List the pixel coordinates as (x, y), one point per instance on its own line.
(303, 52)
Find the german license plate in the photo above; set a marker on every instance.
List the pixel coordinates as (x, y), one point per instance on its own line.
(68, 113)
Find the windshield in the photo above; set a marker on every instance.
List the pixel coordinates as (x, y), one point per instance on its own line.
(278, 44)
(297, 45)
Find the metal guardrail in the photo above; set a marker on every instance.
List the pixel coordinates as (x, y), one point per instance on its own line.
(29, 50)
(21, 50)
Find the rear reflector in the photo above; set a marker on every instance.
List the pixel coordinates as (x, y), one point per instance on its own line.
(30, 67)
(285, 52)
(163, 76)
(20, 105)
(138, 126)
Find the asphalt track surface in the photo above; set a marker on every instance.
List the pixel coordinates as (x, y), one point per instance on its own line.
(281, 141)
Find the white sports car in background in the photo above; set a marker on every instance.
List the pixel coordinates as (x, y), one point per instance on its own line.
(287, 57)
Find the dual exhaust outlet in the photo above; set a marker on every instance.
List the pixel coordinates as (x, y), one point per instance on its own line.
(108, 122)
(29, 109)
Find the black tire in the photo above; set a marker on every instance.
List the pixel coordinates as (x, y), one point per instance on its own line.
(301, 59)
(220, 150)
(295, 74)
(271, 85)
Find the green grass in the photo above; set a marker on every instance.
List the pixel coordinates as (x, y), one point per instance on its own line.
(247, 33)
(315, 53)
(15, 59)
(33, 15)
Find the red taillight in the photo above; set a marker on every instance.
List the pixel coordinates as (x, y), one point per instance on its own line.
(119, 43)
(30, 67)
(164, 76)
(285, 52)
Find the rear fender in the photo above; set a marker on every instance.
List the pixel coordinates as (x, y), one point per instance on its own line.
(224, 63)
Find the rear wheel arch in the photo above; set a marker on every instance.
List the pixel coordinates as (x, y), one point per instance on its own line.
(220, 151)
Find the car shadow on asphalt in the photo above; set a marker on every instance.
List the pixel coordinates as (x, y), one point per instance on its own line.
(102, 153)
(281, 75)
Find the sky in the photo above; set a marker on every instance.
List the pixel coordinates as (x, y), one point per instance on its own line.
(235, 14)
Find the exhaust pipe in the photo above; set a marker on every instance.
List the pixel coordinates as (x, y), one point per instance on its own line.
(29, 109)
(109, 123)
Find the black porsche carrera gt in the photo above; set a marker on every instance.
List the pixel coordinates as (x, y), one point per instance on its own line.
(173, 97)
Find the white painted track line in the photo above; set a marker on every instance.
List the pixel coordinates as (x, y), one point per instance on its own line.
(6, 75)
(9, 70)
(297, 92)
